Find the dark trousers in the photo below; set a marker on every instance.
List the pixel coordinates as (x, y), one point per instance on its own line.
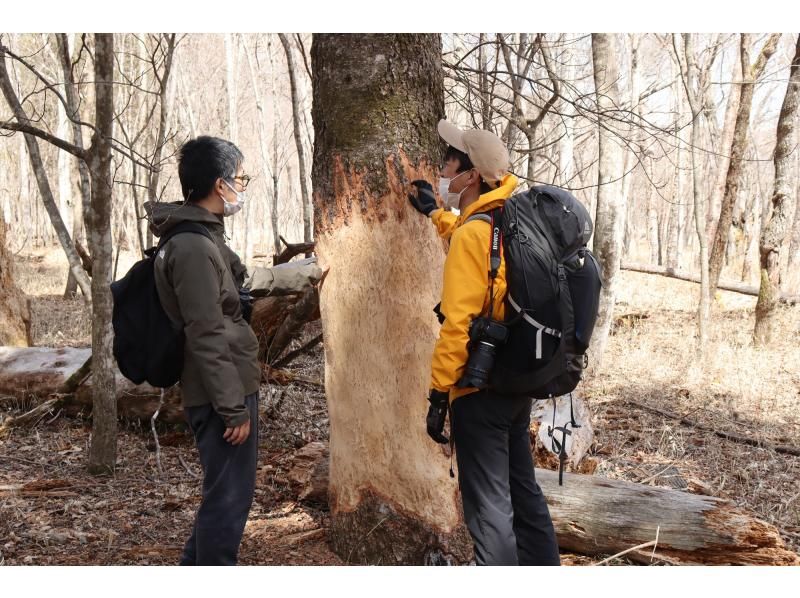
(229, 479)
(504, 507)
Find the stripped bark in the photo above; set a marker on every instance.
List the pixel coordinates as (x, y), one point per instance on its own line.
(399, 505)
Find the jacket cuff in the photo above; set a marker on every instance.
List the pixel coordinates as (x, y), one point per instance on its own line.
(237, 419)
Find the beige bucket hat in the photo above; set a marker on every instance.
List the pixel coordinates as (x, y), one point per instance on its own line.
(484, 148)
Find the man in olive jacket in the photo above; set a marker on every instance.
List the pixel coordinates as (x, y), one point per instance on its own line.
(198, 280)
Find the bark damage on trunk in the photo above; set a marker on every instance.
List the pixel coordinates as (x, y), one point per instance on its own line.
(377, 99)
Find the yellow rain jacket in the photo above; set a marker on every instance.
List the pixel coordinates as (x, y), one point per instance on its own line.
(465, 295)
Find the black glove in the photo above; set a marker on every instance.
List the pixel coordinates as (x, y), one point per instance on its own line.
(424, 201)
(246, 303)
(437, 413)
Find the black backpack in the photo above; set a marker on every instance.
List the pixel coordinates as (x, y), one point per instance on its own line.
(148, 346)
(553, 291)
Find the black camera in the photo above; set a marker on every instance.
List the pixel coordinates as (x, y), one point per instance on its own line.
(485, 335)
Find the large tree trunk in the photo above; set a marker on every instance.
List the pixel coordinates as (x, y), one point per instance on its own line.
(298, 138)
(392, 500)
(776, 224)
(45, 191)
(610, 203)
(15, 317)
(750, 74)
(103, 448)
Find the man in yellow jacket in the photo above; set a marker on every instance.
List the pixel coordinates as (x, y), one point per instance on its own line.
(504, 508)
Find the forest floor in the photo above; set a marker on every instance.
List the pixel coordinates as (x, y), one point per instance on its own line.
(53, 512)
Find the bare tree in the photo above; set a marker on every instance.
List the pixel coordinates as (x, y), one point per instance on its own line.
(610, 207)
(782, 206)
(98, 159)
(750, 74)
(103, 448)
(161, 59)
(695, 83)
(40, 172)
(298, 138)
(72, 107)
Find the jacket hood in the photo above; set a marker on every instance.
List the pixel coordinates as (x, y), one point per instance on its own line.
(163, 216)
(489, 201)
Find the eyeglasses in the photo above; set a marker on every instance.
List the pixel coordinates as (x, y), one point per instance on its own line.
(244, 179)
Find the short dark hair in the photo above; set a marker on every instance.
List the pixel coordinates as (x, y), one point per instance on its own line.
(202, 161)
(464, 164)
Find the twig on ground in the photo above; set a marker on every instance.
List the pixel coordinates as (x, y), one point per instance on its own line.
(187, 468)
(297, 352)
(155, 434)
(652, 543)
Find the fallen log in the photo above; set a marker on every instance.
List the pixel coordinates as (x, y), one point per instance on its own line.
(45, 373)
(595, 516)
(734, 287)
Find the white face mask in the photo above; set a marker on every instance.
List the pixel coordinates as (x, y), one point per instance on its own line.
(230, 208)
(451, 200)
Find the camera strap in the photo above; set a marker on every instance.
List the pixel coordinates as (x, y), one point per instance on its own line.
(495, 221)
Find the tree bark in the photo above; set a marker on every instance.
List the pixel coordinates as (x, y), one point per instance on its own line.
(45, 191)
(776, 224)
(610, 202)
(103, 447)
(398, 505)
(298, 138)
(750, 74)
(15, 317)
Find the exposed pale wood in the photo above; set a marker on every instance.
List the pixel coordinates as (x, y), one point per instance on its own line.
(392, 499)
